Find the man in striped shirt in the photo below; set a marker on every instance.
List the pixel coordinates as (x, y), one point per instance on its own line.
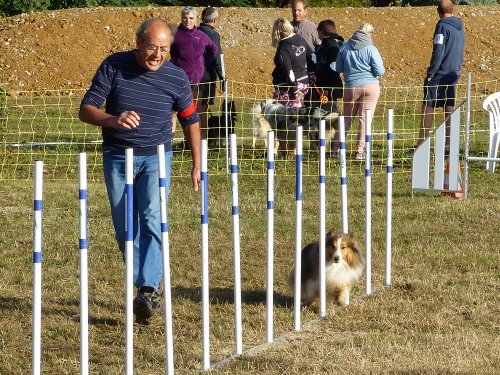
(141, 89)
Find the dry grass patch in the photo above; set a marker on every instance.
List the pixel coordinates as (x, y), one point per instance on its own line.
(440, 316)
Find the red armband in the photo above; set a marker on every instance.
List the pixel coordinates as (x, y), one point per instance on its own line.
(188, 111)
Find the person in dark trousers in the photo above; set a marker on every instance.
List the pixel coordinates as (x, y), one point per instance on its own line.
(444, 69)
(327, 79)
(141, 89)
(210, 18)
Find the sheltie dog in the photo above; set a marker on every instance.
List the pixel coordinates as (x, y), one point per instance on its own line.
(217, 130)
(272, 115)
(344, 264)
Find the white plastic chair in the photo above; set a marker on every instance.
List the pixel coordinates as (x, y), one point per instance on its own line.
(492, 105)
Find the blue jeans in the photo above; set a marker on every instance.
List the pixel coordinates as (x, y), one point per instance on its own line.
(148, 262)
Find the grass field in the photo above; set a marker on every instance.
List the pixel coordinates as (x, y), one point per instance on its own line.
(440, 316)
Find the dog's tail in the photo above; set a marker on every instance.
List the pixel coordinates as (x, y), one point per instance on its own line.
(258, 120)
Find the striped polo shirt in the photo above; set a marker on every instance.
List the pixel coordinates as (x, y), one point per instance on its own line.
(124, 85)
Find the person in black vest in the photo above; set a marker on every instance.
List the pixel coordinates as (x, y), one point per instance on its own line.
(327, 81)
(214, 71)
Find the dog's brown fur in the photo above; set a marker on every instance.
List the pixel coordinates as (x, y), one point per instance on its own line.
(344, 264)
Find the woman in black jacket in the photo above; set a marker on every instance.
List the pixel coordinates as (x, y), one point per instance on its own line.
(290, 78)
(328, 81)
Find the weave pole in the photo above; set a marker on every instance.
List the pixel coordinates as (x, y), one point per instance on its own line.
(129, 261)
(204, 257)
(83, 243)
(37, 270)
(270, 239)
(322, 219)
(298, 228)
(368, 202)
(235, 209)
(343, 174)
(388, 233)
(226, 117)
(165, 247)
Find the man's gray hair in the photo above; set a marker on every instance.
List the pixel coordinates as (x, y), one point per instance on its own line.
(209, 14)
(143, 29)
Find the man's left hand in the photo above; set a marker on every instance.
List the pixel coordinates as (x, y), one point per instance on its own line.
(196, 176)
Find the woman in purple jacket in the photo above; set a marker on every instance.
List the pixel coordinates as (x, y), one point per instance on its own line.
(193, 51)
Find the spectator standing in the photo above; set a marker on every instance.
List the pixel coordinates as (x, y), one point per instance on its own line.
(210, 18)
(360, 62)
(193, 51)
(290, 78)
(141, 89)
(327, 78)
(444, 69)
(303, 27)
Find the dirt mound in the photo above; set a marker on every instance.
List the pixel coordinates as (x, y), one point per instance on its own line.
(62, 49)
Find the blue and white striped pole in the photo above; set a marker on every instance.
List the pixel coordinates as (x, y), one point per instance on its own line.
(368, 202)
(235, 208)
(322, 218)
(129, 261)
(388, 234)
(204, 257)
(165, 245)
(298, 228)
(343, 174)
(84, 290)
(226, 117)
(37, 270)
(270, 239)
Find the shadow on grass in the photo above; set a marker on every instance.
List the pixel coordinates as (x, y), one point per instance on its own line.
(67, 308)
(56, 307)
(226, 296)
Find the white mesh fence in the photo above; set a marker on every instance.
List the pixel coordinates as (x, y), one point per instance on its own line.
(45, 126)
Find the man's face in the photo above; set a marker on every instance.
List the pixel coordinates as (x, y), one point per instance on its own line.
(154, 47)
(298, 12)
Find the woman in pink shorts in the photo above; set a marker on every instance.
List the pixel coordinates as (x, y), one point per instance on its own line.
(362, 66)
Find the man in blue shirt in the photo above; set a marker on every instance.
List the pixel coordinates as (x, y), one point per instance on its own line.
(141, 89)
(444, 70)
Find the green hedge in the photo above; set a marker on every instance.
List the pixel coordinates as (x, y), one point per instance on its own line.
(13, 7)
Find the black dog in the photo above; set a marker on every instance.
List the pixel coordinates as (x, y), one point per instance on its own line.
(217, 129)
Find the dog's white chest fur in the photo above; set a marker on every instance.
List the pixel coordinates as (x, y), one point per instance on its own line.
(340, 275)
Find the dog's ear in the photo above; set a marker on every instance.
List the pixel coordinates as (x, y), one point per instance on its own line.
(348, 257)
(330, 237)
(353, 243)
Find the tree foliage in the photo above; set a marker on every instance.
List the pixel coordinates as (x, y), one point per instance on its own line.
(12, 7)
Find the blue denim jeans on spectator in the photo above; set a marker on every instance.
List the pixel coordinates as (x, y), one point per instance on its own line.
(148, 264)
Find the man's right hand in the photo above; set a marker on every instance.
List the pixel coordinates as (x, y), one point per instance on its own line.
(126, 120)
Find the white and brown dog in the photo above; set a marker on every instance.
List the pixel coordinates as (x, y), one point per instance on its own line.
(344, 267)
